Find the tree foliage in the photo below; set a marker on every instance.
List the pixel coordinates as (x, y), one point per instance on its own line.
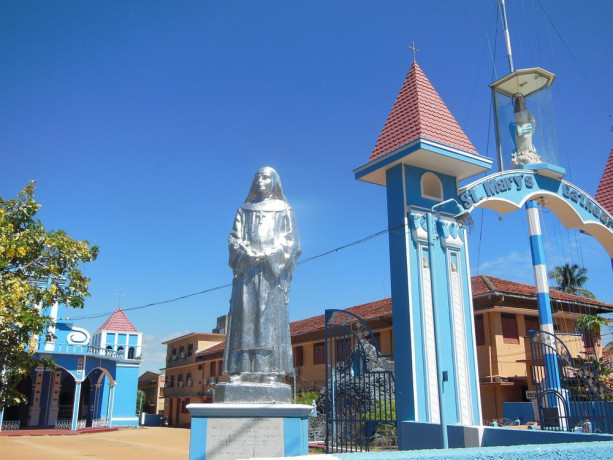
(140, 401)
(38, 268)
(591, 323)
(571, 279)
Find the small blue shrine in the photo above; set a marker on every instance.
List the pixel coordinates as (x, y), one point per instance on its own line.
(95, 380)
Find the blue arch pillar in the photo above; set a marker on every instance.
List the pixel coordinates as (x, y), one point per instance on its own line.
(110, 404)
(75, 405)
(434, 351)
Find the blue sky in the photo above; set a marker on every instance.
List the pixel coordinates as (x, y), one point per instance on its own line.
(144, 122)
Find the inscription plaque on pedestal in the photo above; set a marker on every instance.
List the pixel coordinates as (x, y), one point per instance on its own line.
(232, 438)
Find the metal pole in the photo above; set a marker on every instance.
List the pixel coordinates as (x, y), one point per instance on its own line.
(333, 409)
(507, 37)
(552, 376)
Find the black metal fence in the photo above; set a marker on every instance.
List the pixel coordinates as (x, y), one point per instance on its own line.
(581, 402)
(360, 404)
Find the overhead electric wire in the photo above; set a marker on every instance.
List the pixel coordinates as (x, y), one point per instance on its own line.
(223, 286)
(600, 97)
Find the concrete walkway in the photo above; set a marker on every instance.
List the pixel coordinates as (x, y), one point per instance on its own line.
(150, 443)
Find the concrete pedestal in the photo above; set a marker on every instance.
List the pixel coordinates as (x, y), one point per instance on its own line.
(235, 431)
(253, 393)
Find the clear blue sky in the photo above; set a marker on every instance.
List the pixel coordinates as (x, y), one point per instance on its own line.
(143, 123)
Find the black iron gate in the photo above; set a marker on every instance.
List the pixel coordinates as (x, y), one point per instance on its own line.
(360, 405)
(581, 402)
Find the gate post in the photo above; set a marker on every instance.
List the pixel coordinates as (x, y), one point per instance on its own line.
(550, 362)
(421, 156)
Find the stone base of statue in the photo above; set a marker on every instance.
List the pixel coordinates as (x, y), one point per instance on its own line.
(232, 431)
(250, 393)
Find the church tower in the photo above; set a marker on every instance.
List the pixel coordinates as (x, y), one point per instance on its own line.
(119, 335)
(420, 157)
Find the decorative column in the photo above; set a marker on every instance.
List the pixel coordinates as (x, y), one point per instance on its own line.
(34, 411)
(54, 398)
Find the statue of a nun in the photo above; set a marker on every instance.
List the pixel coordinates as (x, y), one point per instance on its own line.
(264, 246)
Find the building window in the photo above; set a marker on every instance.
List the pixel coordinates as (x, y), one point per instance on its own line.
(190, 349)
(431, 187)
(343, 347)
(131, 353)
(199, 367)
(172, 381)
(298, 356)
(213, 369)
(182, 352)
(479, 330)
(188, 379)
(532, 324)
(319, 353)
(174, 354)
(184, 404)
(509, 328)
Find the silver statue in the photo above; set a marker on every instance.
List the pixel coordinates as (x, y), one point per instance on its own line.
(264, 246)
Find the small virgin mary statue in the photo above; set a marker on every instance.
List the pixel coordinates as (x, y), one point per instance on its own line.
(264, 246)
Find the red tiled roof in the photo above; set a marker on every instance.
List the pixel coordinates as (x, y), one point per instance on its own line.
(604, 194)
(483, 284)
(118, 321)
(369, 310)
(419, 112)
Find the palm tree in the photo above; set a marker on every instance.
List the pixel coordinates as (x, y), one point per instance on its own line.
(571, 279)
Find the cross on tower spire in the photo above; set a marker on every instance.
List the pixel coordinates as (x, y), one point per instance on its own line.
(412, 47)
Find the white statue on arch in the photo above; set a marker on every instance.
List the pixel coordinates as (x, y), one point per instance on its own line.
(523, 130)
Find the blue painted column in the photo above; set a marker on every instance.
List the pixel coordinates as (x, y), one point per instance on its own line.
(75, 405)
(400, 248)
(552, 375)
(110, 404)
(432, 233)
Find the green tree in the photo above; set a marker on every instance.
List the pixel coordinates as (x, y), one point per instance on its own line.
(571, 279)
(592, 325)
(38, 268)
(140, 401)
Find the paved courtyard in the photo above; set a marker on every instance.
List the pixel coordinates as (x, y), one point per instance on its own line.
(151, 443)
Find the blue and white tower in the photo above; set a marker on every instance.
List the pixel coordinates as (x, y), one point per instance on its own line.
(420, 157)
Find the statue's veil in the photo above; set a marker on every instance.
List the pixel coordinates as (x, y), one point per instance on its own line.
(277, 189)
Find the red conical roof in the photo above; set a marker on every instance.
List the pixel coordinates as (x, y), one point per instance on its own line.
(118, 321)
(604, 194)
(419, 112)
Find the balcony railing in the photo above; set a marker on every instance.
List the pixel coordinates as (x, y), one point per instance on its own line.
(89, 350)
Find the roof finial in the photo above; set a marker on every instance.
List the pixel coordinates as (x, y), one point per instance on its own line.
(119, 296)
(412, 47)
